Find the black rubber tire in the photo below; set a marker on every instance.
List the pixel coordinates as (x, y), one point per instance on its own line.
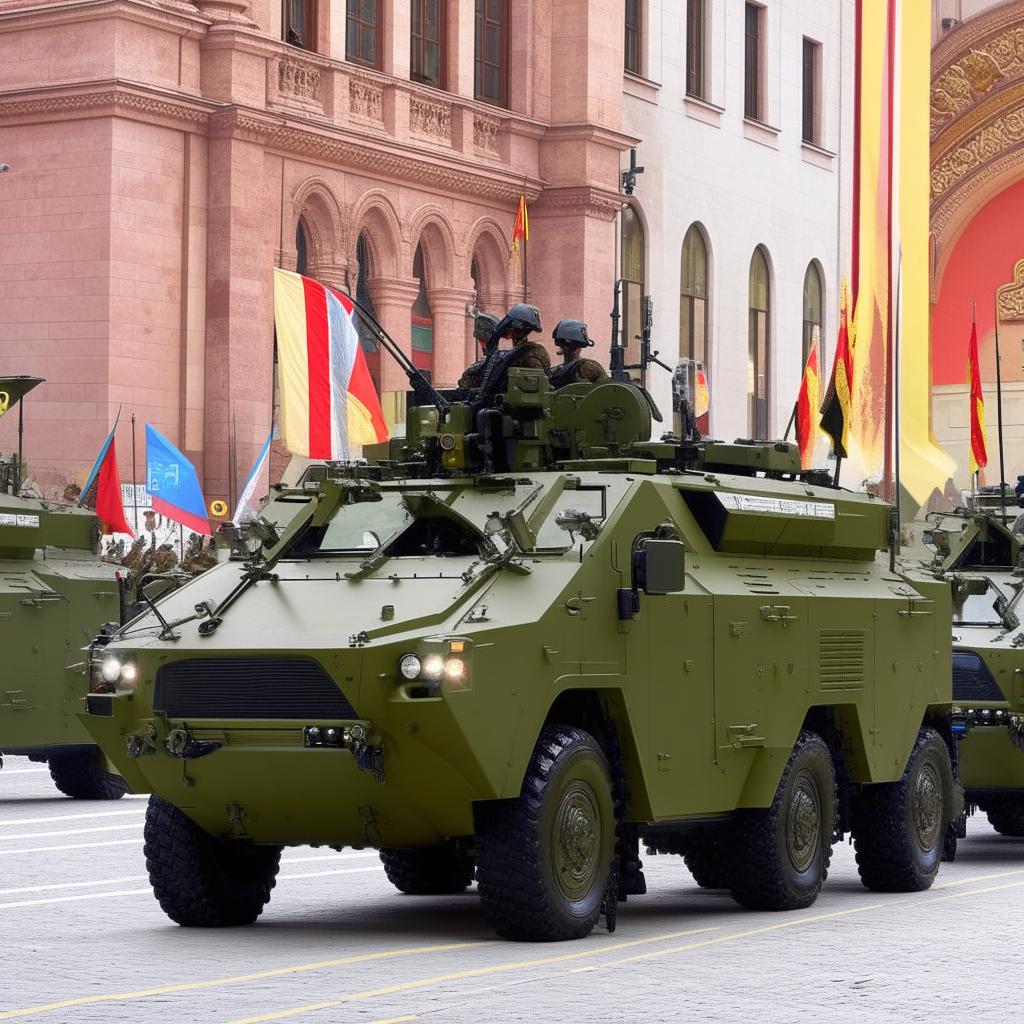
(706, 858)
(79, 773)
(781, 854)
(201, 881)
(1006, 815)
(568, 782)
(899, 828)
(435, 871)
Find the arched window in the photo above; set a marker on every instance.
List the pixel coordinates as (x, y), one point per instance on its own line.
(759, 345)
(422, 320)
(364, 275)
(812, 311)
(633, 282)
(301, 248)
(693, 317)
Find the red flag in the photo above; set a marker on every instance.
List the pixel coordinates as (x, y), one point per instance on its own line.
(103, 490)
(520, 230)
(835, 413)
(807, 415)
(979, 453)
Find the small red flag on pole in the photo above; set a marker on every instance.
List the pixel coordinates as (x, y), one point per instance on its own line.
(979, 452)
(103, 488)
(808, 419)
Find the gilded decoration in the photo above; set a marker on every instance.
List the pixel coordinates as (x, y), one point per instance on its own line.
(485, 133)
(985, 144)
(1010, 297)
(366, 99)
(299, 80)
(430, 118)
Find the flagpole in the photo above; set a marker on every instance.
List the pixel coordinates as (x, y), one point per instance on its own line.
(896, 400)
(792, 420)
(999, 415)
(135, 483)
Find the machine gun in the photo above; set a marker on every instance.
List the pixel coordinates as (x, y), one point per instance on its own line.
(617, 364)
(12, 392)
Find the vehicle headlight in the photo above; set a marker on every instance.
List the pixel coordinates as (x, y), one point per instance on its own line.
(455, 670)
(111, 674)
(409, 666)
(433, 666)
(110, 669)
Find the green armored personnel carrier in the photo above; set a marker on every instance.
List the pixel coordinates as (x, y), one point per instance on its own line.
(523, 640)
(55, 594)
(981, 554)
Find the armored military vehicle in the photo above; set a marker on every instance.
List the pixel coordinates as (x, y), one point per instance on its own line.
(55, 594)
(980, 553)
(522, 640)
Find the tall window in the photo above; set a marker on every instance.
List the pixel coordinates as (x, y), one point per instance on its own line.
(490, 80)
(812, 92)
(422, 320)
(695, 46)
(812, 311)
(428, 42)
(753, 86)
(363, 32)
(634, 36)
(759, 345)
(633, 282)
(367, 341)
(299, 23)
(693, 315)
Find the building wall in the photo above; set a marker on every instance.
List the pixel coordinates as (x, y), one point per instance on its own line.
(746, 184)
(163, 155)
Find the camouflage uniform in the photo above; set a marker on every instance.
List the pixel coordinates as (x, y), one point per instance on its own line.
(578, 371)
(534, 356)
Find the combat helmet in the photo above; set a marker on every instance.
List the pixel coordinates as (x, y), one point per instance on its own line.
(571, 334)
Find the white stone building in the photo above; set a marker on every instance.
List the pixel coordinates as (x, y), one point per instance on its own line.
(745, 115)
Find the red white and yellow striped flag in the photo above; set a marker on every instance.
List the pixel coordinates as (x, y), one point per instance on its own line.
(520, 230)
(328, 401)
(979, 453)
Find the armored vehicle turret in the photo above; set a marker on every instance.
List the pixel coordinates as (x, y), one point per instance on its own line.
(55, 594)
(522, 640)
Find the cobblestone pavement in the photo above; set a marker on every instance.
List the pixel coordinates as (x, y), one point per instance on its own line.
(81, 939)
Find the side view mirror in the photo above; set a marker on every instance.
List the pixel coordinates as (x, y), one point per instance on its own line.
(658, 567)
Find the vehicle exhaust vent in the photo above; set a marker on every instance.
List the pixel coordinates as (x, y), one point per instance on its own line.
(972, 679)
(249, 688)
(841, 659)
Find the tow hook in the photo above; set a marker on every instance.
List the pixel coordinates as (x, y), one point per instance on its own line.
(142, 744)
(181, 745)
(369, 757)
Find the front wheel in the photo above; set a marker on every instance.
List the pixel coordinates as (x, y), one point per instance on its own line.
(434, 871)
(780, 855)
(80, 773)
(201, 881)
(900, 828)
(543, 859)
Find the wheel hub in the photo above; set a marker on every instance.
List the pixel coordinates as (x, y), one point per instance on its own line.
(577, 840)
(926, 808)
(803, 824)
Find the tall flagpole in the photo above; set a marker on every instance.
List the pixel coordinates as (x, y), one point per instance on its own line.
(999, 416)
(970, 400)
(135, 483)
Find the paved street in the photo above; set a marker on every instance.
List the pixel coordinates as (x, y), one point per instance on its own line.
(81, 939)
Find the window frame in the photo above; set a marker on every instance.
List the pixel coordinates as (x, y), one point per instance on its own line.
(633, 289)
(807, 335)
(813, 74)
(442, 44)
(478, 48)
(696, 46)
(310, 13)
(754, 98)
(760, 372)
(637, 31)
(378, 64)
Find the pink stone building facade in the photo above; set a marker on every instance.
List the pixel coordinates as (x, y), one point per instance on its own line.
(167, 155)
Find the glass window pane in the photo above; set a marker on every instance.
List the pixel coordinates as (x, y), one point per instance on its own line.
(494, 11)
(433, 20)
(700, 332)
(685, 327)
(369, 11)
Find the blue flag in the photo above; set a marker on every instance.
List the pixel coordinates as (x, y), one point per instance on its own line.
(173, 485)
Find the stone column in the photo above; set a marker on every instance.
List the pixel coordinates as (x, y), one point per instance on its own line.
(392, 299)
(449, 308)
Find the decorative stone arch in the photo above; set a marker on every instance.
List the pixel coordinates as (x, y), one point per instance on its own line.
(314, 203)
(431, 230)
(977, 123)
(488, 247)
(375, 217)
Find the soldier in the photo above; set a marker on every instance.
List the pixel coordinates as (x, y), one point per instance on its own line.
(518, 323)
(483, 328)
(570, 337)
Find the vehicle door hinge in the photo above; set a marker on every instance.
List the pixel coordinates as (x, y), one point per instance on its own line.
(741, 736)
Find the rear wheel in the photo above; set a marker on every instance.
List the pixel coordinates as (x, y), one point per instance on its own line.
(1006, 815)
(706, 859)
(436, 871)
(543, 859)
(81, 773)
(900, 828)
(781, 854)
(201, 881)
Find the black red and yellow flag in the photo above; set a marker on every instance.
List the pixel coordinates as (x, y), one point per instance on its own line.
(807, 403)
(835, 412)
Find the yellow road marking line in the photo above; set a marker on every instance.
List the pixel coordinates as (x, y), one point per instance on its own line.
(276, 972)
(473, 972)
(979, 878)
(397, 1020)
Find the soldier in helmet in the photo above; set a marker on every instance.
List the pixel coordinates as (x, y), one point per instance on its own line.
(483, 329)
(571, 337)
(518, 323)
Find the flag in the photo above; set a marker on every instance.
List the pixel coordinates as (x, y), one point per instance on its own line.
(979, 453)
(173, 485)
(835, 412)
(328, 401)
(701, 393)
(246, 508)
(103, 488)
(520, 230)
(807, 403)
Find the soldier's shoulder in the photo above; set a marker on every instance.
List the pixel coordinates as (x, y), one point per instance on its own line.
(534, 357)
(591, 370)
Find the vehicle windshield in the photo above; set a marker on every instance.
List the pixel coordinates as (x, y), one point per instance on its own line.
(986, 609)
(355, 529)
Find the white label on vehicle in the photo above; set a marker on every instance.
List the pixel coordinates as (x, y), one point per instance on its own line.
(778, 506)
(8, 519)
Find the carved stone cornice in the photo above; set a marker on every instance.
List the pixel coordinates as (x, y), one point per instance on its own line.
(1010, 297)
(601, 204)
